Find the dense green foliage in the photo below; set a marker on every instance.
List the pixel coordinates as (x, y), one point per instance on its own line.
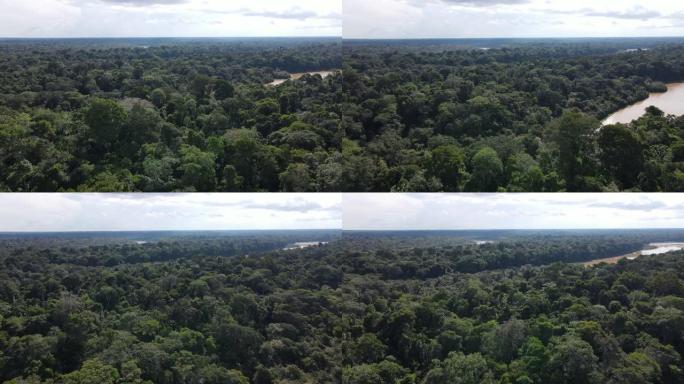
(378, 308)
(523, 117)
(190, 116)
(403, 116)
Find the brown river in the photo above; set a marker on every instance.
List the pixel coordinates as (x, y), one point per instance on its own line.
(650, 249)
(297, 76)
(304, 244)
(670, 102)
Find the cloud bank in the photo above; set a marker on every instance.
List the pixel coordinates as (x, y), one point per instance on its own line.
(133, 212)
(389, 211)
(511, 18)
(170, 18)
(511, 211)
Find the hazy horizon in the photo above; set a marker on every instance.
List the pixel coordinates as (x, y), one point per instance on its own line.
(522, 38)
(331, 37)
(331, 229)
(339, 37)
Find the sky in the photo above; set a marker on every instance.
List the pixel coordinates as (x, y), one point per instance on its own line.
(63, 212)
(512, 211)
(512, 18)
(361, 18)
(170, 18)
(58, 212)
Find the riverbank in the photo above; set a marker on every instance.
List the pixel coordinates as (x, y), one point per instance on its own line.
(612, 260)
(650, 249)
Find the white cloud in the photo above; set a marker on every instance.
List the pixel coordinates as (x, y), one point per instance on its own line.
(119, 212)
(511, 18)
(170, 18)
(511, 211)
(110, 212)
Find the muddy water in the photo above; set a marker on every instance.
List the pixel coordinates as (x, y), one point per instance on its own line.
(297, 76)
(304, 244)
(651, 249)
(670, 102)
